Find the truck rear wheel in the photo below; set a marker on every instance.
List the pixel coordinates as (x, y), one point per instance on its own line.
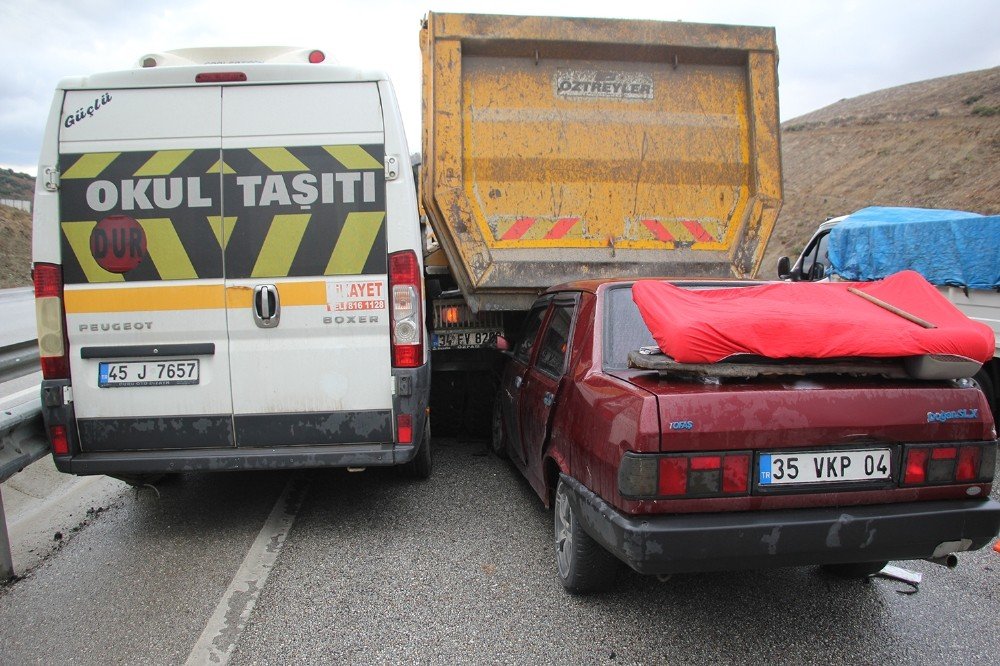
(583, 565)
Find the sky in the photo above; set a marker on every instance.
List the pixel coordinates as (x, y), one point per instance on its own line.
(829, 50)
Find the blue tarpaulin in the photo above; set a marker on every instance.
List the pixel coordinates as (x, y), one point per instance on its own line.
(948, 247)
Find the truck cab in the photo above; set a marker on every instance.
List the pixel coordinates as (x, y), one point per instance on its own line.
(814, 261)
(884, 248)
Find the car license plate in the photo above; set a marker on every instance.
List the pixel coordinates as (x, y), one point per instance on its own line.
(809, 467)
(147, 373)
(463, 339)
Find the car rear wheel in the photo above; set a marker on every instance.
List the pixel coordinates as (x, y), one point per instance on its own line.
(583, 565)
(498, 439)
(854, 569)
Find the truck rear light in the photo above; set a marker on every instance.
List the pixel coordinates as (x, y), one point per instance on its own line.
(53, 348)
(404, 429)
(59, 440)
(406, 310)
(316, 57)
(693, 475)
(937, 465)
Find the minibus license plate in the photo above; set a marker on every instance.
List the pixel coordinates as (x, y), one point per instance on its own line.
(147, 373)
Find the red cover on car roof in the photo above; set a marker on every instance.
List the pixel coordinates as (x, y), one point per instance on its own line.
(808, 320)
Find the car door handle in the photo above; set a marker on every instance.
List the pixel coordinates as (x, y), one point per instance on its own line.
(266, 306)
(548, 399)
(517, 382)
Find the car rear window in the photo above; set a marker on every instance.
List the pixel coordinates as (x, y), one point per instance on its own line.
(624, 330)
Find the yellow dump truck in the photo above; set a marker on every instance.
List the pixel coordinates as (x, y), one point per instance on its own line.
(557, 149)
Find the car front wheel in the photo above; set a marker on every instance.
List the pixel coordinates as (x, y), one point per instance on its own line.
(583, 565)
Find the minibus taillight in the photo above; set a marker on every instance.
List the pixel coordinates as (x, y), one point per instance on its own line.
(407, 318)
(53, 348)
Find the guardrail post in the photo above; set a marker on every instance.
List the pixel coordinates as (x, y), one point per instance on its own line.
(6, 561)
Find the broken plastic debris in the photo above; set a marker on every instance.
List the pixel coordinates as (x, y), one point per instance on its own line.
(911, 578)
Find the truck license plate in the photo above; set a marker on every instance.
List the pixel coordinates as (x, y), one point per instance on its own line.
(462, 339)
(147, 373)
(809, 467)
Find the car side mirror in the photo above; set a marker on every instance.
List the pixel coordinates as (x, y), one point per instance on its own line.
(817, 272)
(502, 344)
(784, 268)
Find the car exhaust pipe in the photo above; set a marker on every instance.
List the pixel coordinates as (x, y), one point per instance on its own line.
(950, 560)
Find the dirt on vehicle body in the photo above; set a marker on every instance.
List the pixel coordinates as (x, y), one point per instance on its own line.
(673, 473)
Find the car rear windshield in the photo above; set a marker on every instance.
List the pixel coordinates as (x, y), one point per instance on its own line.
(624, 330)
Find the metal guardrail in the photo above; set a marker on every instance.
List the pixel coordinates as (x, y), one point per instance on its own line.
(18, 359)
(22, 433)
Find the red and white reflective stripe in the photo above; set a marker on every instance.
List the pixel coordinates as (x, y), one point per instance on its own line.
(668, 231)
(657, 229)
(523, 225)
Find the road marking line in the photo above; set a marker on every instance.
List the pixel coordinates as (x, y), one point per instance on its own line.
(218, 639)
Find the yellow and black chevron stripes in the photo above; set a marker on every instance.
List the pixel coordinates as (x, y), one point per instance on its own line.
(238, 213)
(166, 162)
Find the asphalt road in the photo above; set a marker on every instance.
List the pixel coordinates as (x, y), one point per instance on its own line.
(458, 569)
(18, 321)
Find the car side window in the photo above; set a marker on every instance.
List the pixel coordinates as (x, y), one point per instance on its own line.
(555, 343)
(530, 331)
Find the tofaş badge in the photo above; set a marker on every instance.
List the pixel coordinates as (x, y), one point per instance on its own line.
(118, 243)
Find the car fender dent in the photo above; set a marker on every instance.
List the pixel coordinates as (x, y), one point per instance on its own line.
(843, 523)
(599, 523)
(771, 540)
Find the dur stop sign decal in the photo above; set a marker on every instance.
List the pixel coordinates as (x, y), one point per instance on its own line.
(118, 243)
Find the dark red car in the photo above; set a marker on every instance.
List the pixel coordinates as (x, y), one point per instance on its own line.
(679, 474)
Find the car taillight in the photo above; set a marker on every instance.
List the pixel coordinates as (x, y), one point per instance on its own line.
(407, 319)
(53, 348)
(689, 475)
(936, 465)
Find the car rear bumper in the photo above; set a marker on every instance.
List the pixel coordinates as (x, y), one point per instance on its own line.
(791, 537)
(232, 459)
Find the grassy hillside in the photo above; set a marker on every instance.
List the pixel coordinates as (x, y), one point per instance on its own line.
(14, 185)
(15, 248)
(933, 144)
